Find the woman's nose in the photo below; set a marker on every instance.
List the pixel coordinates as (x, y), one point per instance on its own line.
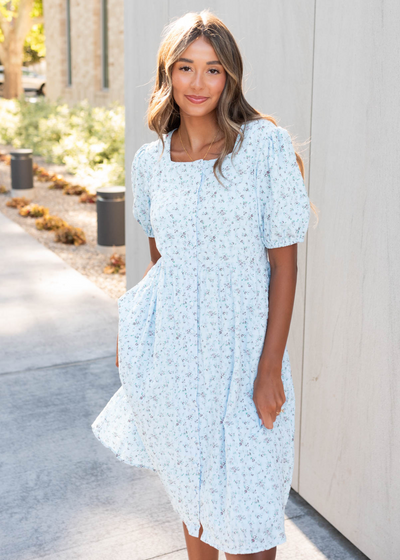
(197, 81)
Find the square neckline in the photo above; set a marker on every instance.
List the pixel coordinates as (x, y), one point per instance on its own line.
(196, 161)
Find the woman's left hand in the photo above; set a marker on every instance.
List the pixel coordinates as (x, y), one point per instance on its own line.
(268, 393)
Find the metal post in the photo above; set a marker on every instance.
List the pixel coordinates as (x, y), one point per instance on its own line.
(21, 172)
(110, 203)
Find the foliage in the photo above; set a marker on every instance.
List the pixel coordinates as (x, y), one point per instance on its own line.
(42, 174)
(18, 202)
(88, 198)
(34, 45)
(88, 140)
(9, 120)
(5, 157)
(49, 223)
(33, 210)
(64, 233)
(76, 190)
(70, 235)
(116, 265)
(58, 182)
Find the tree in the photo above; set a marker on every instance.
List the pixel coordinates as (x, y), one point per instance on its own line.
(35, 47)
(15, 23)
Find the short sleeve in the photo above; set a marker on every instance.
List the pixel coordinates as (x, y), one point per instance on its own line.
(140, 176)
(283, 203)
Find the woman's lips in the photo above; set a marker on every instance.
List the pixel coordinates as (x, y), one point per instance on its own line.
(196, 99)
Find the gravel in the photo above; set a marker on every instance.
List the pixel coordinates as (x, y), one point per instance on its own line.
(86, 258)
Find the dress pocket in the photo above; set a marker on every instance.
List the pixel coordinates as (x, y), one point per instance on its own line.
(136, 333)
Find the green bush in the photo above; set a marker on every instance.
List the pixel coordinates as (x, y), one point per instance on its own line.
(88, 140)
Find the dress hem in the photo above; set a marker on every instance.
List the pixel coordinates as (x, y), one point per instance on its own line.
(119, 457)
(226, 549)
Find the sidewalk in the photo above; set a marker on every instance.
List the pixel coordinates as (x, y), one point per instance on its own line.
(64, 496)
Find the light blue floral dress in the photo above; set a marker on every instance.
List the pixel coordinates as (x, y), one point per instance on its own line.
(191, 333)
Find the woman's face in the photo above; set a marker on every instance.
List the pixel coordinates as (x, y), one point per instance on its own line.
(198, 73)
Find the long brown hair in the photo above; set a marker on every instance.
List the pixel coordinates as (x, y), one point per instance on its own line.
(232, 110)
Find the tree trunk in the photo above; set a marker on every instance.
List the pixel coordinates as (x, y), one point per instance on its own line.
(11, 50)
(13, 75)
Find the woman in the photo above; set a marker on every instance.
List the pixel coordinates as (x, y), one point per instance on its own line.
(203, 378)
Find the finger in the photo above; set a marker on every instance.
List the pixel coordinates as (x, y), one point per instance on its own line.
(258, 412)
(269, 420)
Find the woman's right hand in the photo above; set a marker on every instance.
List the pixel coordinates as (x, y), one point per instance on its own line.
(269, 393)
(116, 359)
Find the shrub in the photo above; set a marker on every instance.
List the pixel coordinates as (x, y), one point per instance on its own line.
(18, 202)
(58, 182)
(50, 223)
(70, 235)
(5, 157)
(41, 173)
(76, 190)
(88, 198)
(33, 210)
(88, 140)
(116, 265)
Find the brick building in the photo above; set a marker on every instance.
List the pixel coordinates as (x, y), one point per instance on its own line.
(85, 50)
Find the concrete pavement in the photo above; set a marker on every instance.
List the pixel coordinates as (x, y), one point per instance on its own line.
(63, 495)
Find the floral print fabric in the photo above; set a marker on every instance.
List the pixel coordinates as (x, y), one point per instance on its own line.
(191, 333)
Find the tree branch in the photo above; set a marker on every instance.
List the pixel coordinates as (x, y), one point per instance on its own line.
(4, 26)
(22, 23)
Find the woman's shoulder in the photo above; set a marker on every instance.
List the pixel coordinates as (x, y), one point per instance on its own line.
(265, 129)
(147, 151)
(269, 138)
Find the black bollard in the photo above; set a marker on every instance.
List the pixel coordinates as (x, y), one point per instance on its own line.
(110, 203)
(21, 171)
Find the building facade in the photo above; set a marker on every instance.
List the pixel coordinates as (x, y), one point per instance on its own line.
(84, 50)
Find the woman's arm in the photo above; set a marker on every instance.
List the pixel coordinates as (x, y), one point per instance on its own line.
(154, 256)
(268, 394)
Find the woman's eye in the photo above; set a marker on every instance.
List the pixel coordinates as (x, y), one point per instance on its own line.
(213, 70)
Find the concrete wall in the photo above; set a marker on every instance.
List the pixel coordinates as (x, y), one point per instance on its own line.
(86, 51)
(327, 72)
(350, 440)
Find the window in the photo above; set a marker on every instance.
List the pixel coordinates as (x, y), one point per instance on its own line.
(104, 43)
(69, 63)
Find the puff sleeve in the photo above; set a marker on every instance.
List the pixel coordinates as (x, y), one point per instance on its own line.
(140, 177)
(283, 203)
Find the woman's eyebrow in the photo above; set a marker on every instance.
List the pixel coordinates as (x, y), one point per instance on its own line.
(191, 61)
